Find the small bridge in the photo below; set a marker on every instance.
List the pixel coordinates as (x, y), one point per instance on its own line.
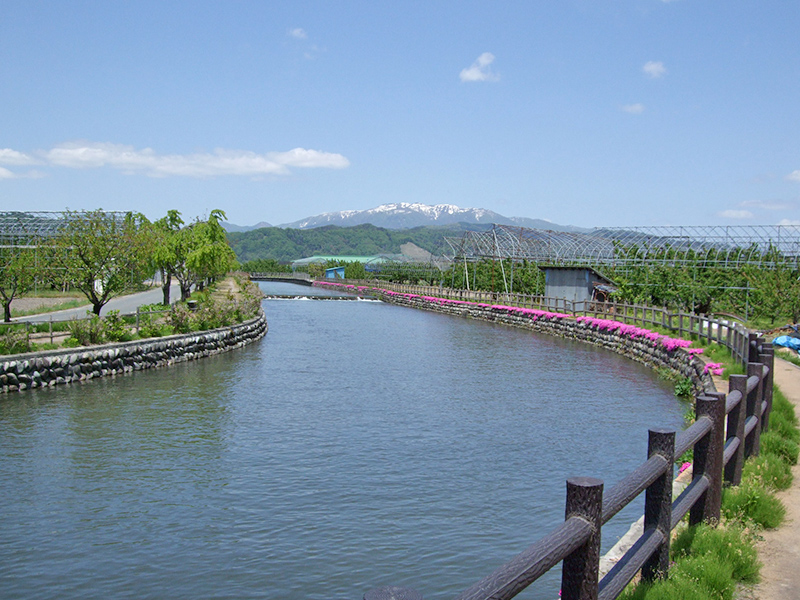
(301, 278)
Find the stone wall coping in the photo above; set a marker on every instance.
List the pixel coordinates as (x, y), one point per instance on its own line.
(54, 367)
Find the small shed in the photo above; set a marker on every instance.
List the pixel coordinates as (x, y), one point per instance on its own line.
(576, 284)
(334, 273)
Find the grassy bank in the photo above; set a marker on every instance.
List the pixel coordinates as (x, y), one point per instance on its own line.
(232, 300)
(711, 562)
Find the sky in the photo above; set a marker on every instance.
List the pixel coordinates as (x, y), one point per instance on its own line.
(582, 112)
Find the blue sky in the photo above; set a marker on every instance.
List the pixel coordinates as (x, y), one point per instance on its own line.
(582, 112)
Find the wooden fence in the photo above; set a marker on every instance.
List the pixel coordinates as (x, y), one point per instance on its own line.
(726, 431)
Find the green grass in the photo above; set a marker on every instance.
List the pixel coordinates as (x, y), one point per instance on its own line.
(772, 470)
(709, 562)
(74, 303)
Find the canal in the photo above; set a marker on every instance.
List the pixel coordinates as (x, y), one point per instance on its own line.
(358, 444)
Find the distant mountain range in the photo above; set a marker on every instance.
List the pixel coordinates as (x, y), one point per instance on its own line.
(230, 227)
(406, 215)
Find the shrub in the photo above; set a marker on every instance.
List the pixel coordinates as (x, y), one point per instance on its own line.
(87, 331)
(180, 318)
(13, 341)
(153, 329)
(114, 328)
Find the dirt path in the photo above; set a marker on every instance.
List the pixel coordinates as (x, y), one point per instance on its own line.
(780, 549)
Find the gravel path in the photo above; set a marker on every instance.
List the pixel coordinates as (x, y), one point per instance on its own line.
(780, 548)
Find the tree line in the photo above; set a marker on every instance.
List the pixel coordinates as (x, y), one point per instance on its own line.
(104, 255)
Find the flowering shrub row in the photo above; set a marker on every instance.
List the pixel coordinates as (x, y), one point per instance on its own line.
(533, 314)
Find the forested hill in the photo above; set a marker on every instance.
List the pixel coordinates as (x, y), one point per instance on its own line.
(285, 245)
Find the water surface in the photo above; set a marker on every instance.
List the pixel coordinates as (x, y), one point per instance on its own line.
(358, 444)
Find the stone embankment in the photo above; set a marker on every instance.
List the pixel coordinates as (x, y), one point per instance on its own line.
(57, 367)
(644, 346)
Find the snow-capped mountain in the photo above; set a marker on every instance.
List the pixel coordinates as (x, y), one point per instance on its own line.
(404, 215)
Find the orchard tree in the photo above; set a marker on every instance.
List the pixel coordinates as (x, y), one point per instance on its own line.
(102, 255)
(210, 255)
(17, 275)
(193, 254)
(164, 234)
(777, 287)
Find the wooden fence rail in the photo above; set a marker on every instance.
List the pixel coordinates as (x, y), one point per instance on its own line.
(726, 431)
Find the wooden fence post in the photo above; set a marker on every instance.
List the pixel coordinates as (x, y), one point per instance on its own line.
(658, 502)
(708, 457)
(579, 573)
(736, 419)
(767, 358)
(752, 444)
(752, 347)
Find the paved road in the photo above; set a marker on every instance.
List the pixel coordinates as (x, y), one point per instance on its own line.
(124, 304)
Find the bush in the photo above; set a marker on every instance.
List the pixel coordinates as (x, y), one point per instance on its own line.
(214, 314)
(87, 331)
(14, 341)
(180, 318)
(114, 328)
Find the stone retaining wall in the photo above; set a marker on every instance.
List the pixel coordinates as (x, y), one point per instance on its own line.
(56, 367)
(624, 340)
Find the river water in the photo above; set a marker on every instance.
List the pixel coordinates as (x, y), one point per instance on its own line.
(358, 444)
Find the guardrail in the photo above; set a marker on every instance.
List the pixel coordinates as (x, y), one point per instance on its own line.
(726, 431)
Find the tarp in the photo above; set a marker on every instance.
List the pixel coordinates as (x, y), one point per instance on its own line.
(787, 342)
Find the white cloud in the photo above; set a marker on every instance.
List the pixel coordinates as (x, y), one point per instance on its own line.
(792, 222)
(736, 214)
(634, 109)
(12, 157)
(769, 204)
(794, 175)
(480, 70)
(654, 69)
(88, 155)
(298, 33)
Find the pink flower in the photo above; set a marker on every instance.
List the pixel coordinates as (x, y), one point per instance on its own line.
(683, 467)
(714, 368)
